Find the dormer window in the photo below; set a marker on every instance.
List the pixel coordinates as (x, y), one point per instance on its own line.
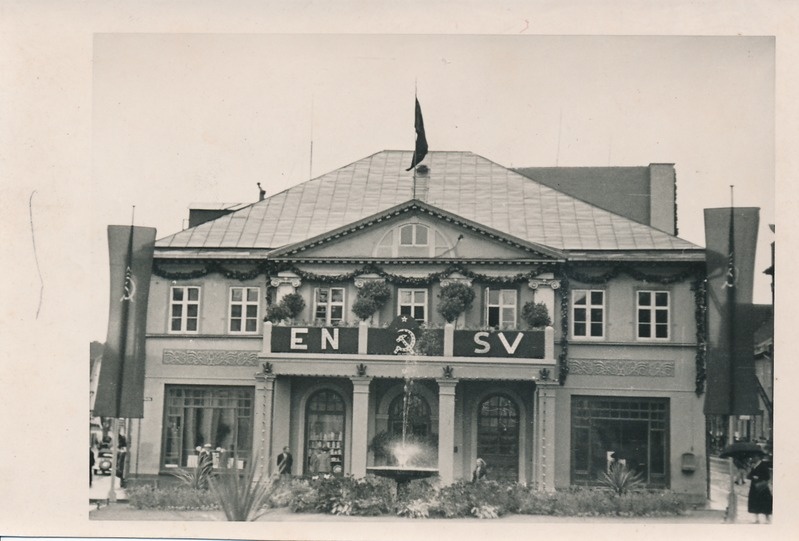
(413, 235)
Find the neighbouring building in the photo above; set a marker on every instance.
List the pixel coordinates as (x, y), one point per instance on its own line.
(618, 374)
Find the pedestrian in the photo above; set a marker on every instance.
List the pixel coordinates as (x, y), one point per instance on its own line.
(480, 470)
(91, 465)
(741, 470)
(122, 449)
(323, 461)
(760, 498)
(284, 462)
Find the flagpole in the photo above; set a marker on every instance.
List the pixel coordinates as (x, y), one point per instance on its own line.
(732, 502)
(123, 330)
(415, 97)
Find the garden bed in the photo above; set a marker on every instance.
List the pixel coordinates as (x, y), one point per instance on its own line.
(374, 496)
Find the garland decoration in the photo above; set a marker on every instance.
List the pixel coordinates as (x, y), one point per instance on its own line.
(699, 287)
(416, 281)
(212, 266)
(563, 357)
(630, 270)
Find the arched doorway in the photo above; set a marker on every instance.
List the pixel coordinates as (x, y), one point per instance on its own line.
(498, 437)
(418, 416)
(325, 428)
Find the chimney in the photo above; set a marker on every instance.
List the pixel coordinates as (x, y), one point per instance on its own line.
(261, 192)
(663, 197)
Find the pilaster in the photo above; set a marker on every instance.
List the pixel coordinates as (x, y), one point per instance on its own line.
(360, 424)
(446, 429)
(262, 439)
(544, 445)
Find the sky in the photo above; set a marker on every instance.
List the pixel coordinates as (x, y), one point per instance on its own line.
(186, 118)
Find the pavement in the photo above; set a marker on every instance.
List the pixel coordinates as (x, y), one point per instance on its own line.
(99, 492)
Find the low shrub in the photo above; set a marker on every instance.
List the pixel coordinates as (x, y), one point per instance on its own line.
(414, 508)
(651, 504)
(620, 478)
(367, 496)
(174, 497)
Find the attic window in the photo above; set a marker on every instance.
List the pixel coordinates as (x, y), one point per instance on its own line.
(413, 235)
(413, 240)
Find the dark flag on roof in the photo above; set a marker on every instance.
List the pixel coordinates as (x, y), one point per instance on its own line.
(421, 140)
(120, 389)
(731, 239)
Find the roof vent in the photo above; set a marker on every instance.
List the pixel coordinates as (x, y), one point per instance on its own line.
(261, 192)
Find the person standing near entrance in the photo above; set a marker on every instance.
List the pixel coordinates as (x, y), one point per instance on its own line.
(284, 462)
(323, 461)
(760, 498)
(480, 470)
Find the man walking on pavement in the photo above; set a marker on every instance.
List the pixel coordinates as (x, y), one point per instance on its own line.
(284, 462)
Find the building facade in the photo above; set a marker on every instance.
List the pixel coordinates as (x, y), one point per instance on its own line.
(616, 375)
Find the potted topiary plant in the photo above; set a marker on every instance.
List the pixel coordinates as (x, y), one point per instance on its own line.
(371, 298)
(455, 299)
(289, 307)
(536, 315)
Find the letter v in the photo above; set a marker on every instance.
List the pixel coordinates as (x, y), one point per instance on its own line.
(510, 349)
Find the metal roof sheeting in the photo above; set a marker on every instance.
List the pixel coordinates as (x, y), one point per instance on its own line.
(461, 183)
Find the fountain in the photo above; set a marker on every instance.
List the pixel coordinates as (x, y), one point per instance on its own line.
(409, 454)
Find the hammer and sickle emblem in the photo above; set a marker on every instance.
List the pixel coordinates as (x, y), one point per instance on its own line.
(130, 286)
(406, 339)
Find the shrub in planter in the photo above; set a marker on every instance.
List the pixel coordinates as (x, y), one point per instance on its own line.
(276, 313)
(293, 303)
(536, 314)
(371, 298)
(456, 298)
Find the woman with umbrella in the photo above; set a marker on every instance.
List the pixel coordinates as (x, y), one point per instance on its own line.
(760, 498)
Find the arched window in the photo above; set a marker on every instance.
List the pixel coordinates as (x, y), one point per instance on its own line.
(498, 437)
(418, 416)
(413, 240)
(324, 428)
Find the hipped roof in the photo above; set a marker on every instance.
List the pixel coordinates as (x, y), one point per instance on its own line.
(461, 183)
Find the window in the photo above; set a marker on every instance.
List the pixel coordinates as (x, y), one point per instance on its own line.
(588, 313)
(329, 305)
(498, 436)
(413, 302)
(500, 307)
(244, 304)
(608, 429)
(196, 415)
(324, 428)
(653, 314)
(413, 235)
(184, 309)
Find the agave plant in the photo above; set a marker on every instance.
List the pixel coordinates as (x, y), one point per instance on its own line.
(241, 494)
(620, 478)
(196, 478)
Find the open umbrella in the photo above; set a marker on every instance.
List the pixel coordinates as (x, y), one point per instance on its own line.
(741, 450)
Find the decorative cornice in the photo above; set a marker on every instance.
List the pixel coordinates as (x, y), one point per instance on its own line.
(210, 357)
(456, 278)
(535, 283)
(590, 367)
(278, 281)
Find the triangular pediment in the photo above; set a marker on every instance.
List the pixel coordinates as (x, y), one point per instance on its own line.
(416, 230)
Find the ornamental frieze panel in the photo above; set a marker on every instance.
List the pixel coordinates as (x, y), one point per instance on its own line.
(210, 357)
(589, 367)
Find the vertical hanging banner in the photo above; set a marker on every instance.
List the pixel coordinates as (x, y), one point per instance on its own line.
(120, 390)
(731, 241)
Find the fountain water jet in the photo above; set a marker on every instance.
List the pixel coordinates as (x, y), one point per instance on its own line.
(405, 451)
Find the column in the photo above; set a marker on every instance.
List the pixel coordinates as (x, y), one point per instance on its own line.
(446, 429)
(284, 283)
(360, 424)
(544, 287)
(262, 439)
(544, 456)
